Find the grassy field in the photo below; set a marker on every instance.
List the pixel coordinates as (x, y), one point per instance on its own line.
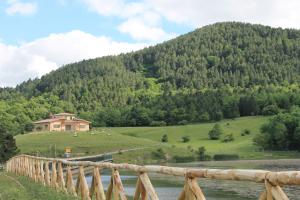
(103, 140)
(21, 188)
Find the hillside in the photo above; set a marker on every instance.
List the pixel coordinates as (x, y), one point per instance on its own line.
(224, 70)
(104, 140)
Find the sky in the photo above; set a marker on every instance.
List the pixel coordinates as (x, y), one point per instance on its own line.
(38, 36)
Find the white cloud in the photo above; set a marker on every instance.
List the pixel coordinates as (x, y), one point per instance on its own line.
(18, 7)
(197, 13)
(115, 7)
(138, 30)
(140, 22)
(194, 13)
(33, 59)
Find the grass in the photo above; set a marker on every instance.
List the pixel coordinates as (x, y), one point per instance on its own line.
(103, 140)
(14, 187)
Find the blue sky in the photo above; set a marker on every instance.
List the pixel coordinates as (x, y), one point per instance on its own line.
(57, 16)
(37, 36)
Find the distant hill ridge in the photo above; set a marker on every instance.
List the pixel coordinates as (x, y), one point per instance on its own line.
(231, 53)
(221, 70)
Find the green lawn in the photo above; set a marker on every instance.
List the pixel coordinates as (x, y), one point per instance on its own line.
(102, 140)
(198, 134)
(14, 187)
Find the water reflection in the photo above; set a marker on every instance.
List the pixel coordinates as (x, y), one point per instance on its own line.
(169, 188)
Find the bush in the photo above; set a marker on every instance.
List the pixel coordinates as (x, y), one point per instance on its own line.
(226, 157)
(282, 132)
(270, 110)
(204, 117)
(185, 139)
(245, 132)
(183, 122)
(158, 123)
(29, 127)
(216, 132)
(159, 154)
(201, 154)
(182, 159)
(164, 138)
(228, 138)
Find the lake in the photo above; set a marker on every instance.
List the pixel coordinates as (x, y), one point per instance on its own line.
(169, 188)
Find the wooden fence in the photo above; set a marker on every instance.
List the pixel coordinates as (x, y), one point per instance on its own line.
(57, 173)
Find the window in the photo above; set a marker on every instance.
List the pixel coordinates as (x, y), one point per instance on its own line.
(56, 126)
(82, 126)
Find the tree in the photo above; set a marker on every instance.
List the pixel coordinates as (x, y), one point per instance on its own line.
(201, 153)
(216, 132)
(185, 139)
(8, 147)
(228, 138)
(282, 132)
(270, 110)
(164, 138)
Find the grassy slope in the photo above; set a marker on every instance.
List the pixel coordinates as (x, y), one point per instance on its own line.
(111, 139)
(10, 189)
(198, 134)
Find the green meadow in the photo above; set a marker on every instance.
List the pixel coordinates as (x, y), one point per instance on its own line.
(148, 139)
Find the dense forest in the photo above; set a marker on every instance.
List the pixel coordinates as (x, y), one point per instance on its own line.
(224, 70)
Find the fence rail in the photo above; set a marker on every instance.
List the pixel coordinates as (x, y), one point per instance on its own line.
(60, 177)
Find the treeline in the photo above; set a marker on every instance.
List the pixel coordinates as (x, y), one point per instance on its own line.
(225, 70)
(282, 132)
(202, 106)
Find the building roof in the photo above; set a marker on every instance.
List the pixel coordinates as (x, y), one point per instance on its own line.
(58, 119)
(60, 114)
(47, 120)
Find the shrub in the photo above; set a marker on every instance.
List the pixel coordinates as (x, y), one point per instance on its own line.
(159, 154)
(282, 132)
(215, 133)
(204, 117)
(245, 132)
(228, 138)
(201, 153)
(164, 138)
(183, 122)
(182, 159)
(270, 110)
(158, 123)
(226, 157)
(185, 139)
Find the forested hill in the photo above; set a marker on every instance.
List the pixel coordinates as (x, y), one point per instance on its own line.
(231, 53)
(220, 70)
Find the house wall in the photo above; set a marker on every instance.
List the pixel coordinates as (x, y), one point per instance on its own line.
(55, 126)
(42, 127)
(83, 126)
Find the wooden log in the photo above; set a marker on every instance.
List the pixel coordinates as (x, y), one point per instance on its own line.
(118, 189)
(110, 189)
(148, 186)
(193, 185)
(278, 193)
(140, 191)
(47, 174)
(263, 196)
(37, 170)
(96, 186)
(269, 195)
(42, 180)
(69, 182)
(82, 186)
(60, 177)
(54, 175)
